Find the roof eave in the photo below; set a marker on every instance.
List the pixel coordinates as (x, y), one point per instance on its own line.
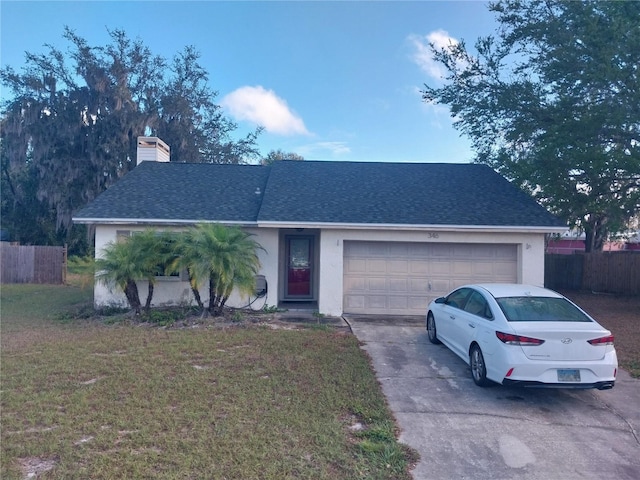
(328, 225)
(414, 227)
(156, 221)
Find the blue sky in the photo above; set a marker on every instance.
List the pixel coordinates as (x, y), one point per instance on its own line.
(327, 80)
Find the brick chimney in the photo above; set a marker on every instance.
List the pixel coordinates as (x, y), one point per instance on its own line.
(152, 149)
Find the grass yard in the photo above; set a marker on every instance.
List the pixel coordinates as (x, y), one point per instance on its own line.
(82, 399)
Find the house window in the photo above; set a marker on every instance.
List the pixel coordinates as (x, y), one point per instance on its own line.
(162, 267)
(122, 235)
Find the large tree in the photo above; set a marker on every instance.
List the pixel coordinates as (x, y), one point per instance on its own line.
(70, 126)
(553, 103)
(277, 155)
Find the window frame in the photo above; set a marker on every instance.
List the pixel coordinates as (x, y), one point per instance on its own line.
(478, 297)
(455, 304)
(181, 276)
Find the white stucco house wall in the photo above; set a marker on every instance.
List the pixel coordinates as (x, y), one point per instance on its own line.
(338, 237)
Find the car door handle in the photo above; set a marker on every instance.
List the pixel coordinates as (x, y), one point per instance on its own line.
(452, 317)
(472, 325)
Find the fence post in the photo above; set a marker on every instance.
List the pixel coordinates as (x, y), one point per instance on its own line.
(64, 264)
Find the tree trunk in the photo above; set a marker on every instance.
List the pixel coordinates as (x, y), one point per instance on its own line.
(222, 303)
(147, 305)
(216, 302)
(194, 290)
(595, 234)
(131, 292)
(196, 295)
(212, 296)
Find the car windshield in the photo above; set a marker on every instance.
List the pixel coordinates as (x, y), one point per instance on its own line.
(540, 309)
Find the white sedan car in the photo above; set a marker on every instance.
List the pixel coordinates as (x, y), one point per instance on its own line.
(523, 335)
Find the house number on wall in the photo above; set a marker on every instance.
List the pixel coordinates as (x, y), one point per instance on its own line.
(432, 235)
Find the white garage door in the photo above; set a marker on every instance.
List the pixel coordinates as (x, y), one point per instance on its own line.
(394, 278)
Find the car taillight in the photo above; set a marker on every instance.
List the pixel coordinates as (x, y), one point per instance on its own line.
(608, 340)
(511, 339)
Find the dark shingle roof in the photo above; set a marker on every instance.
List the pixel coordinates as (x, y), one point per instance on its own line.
(321, 192)
(182, 191)
(397, 193)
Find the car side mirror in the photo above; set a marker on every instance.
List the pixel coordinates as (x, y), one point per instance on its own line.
(440, 300)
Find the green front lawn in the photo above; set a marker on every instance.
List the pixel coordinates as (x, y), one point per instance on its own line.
(81, 399)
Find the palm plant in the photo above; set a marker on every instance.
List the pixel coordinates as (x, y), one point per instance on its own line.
(140, 257)
(189, 257)
(119, 265)
(154, 251)
(226, 256)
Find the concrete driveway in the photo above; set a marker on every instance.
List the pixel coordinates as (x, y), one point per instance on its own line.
(466, 432)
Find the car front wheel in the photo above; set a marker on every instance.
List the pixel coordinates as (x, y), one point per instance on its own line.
(478, 367)
(431, 329)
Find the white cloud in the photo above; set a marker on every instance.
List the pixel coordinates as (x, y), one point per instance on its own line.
(439, 115)
(438, 109)
(336, 148)
(265, 108)
(422, 55)
(323, 150)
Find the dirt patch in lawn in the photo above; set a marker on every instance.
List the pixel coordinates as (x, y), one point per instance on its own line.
(32, 467)
(621, 315)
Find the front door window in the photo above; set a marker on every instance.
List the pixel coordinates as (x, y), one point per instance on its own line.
(299, 267)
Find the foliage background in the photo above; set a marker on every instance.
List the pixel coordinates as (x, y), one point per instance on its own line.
(552, 102)
(70, 129)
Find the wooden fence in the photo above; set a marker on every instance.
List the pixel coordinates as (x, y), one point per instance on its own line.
(33, 264)
(607, 272)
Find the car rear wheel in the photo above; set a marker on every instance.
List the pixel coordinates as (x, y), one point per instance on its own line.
(431, 329)
(478, 367)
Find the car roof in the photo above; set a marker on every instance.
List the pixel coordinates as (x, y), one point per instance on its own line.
(499, 290)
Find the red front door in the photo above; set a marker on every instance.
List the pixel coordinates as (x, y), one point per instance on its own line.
(299, 267)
